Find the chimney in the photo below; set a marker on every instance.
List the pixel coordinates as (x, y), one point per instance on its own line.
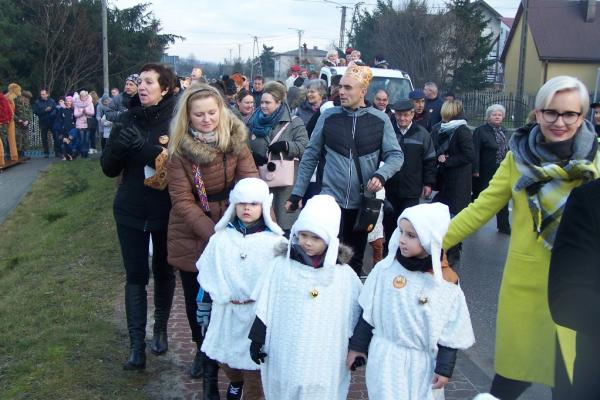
(590, 13)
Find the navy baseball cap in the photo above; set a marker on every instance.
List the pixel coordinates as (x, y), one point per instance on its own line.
(416, 94)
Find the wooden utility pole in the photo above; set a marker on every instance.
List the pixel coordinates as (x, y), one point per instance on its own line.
(522, 58)
(343, 27)
(105, 48)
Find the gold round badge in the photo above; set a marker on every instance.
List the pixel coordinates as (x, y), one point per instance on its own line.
(163, 139)
(399, 282)
(314, 293)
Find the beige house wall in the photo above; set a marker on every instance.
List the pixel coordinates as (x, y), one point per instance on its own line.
(534, 72)
(585, 72)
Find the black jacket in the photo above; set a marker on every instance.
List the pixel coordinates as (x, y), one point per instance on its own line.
(454, 176)
(433, 109)
(64, 120)
(423, 120)
(574, 283)
(39, 109)
(485, 146)
(257, 97)
(136, 205)
(419, 167)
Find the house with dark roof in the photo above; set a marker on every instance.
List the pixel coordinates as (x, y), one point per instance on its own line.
(311, 60)
(563, 38)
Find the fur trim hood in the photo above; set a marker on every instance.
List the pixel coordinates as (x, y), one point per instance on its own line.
(201, 153)
(83, 103)
(345, 252)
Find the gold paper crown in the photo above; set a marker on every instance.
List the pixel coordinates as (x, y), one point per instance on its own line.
(361, 73)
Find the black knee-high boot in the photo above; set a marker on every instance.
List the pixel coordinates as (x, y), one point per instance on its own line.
(163, 300)
(197, 367)
(210, 380)
(136, 306)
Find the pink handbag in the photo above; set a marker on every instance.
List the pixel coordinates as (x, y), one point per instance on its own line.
(278, 173)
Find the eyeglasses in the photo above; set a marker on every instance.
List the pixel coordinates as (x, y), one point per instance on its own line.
(568, 117)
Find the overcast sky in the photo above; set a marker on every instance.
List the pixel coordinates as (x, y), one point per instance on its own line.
(212, 28)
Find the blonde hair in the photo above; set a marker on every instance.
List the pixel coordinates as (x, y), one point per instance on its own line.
(181, 121)
(451, 109)
(275, 89)
(562, 83)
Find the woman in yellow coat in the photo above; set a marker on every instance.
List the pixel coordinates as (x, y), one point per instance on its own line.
(546, 161)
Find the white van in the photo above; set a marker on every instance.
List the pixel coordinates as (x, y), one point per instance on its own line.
(395, 82)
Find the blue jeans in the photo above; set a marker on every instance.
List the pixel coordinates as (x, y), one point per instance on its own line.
(84, 142)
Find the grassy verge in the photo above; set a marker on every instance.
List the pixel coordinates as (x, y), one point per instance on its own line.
(60, 273)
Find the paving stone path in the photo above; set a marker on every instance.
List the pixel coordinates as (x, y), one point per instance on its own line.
(182, 351)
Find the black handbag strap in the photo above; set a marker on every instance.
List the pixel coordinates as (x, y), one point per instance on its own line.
(357, 165)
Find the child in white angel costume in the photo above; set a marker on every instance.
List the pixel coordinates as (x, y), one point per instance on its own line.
(307, 310)
(413, 321)
(229, 270)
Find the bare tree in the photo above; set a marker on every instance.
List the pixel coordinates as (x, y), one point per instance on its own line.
(68, 42)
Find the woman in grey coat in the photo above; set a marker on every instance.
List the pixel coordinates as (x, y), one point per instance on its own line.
(264, 125)
(316, 92)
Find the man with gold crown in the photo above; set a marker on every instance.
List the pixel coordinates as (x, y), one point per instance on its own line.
(354, 129)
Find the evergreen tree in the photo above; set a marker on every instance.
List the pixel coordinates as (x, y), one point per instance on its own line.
(267, 60)
(469, 48)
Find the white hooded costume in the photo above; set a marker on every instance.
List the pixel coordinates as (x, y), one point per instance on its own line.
(411, 313)
(229, 270)
(309, 314)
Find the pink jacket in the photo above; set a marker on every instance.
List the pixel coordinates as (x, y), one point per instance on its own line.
(82, 110)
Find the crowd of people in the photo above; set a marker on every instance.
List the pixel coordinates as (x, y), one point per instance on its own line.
(74, 126)
(258, 193)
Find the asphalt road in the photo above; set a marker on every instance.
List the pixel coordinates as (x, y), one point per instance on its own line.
(15, 182)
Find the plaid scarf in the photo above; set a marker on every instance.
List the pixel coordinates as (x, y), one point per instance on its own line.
(501, 142)
(548, 181)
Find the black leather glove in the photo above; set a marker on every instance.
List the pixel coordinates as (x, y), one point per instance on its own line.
(119, 141)
(295, 200)
(256, 352)
(388, 208)
(137, 139)
(259, 160)
(279, 147)
(358, 362)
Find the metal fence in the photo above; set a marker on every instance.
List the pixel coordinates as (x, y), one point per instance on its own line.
(517, 109)
(35, 140)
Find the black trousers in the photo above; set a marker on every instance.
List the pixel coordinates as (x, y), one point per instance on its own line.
(586, 385)
(134, 250)
(189, 282)
(390, 218)
(510, 389)
(356, 240)
(44, 130)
